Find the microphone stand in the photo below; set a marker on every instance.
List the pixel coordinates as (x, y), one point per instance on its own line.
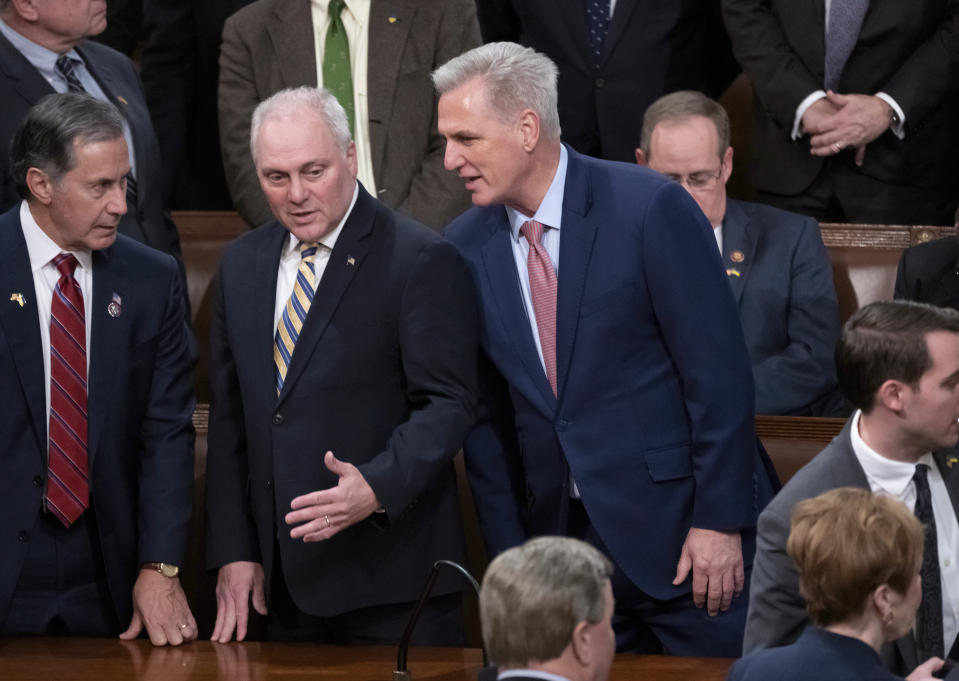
(401, 673)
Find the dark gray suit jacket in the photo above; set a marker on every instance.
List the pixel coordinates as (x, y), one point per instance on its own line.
(269, 46)
(777, 613)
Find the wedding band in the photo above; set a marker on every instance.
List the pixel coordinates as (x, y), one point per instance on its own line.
(837, 146)
(183, 626)
(327, 519)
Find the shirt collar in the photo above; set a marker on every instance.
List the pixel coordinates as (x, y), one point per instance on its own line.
(40, 247)
(531, 674)
(893, 477)
(550, 211)
(293, 244)
(43, 60)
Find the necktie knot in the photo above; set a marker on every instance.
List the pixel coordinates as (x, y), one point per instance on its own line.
(66, 67)
(65, 263)
(921, 476)
(308, 249)
(533, 231)
(336, 7)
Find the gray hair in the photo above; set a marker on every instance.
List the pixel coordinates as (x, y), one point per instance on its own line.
(46, 136)
(286, 102)
(534, 595)
(515, 77)
(682, 105)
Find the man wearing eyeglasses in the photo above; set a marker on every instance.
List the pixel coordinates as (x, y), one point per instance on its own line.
(775, 261)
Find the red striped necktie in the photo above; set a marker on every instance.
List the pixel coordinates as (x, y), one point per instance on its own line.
(68, 487)
(543, 287)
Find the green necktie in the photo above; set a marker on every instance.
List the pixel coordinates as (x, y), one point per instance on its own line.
(337, 76)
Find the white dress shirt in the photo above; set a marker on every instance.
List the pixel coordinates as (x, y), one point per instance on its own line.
(356, 21)
(290, 263)
(42, 250)
(894, 478)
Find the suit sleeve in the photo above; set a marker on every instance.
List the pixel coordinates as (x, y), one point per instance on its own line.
(689, 294)
(930, 74)
(777, 613)
(493, 465)
(804, 370)
(438, 346)
(761, 46)
(437, 195)
(230, 530)
(167, 438)
(236, 99)
(904, 288)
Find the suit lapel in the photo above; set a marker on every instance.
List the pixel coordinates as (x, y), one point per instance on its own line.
(291, 32)
(345, 261)
(107, 335)
(263, 306)
(390, 23)
(577, 235)
(617, 25)
(28, 82)
(20, 324)
(739, 247)
(503, 281)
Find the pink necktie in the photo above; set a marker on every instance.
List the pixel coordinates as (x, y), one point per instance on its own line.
(542, 284)
(68, 487)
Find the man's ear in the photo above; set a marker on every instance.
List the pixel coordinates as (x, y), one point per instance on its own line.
(582, 643)
(529, 129)
(26, 9)
(891, 394)
(40, 185)
(641, 157)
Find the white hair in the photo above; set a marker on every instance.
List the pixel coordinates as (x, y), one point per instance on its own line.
(286, 102)
(515, 78)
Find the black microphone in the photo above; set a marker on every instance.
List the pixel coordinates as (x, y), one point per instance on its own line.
(401, 673)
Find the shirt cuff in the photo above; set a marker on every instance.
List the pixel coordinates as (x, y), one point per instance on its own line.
(801, 111)
(898, 129)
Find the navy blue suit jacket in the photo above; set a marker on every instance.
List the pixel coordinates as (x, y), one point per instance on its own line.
(818, 655)
(655, 409)
(23, 86)
(140, 408)
(929, 273)
(782, 281)
(383, 374)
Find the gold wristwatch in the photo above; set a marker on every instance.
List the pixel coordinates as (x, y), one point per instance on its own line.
(164, 569)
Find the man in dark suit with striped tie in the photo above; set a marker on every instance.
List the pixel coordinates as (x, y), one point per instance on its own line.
(343, 374)
(96, 373)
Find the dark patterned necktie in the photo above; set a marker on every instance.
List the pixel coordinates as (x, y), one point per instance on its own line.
(68, 487)
(597, 21)
(845, 20)
(929, 619)
(337, 72)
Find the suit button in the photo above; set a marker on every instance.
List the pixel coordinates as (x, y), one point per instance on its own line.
(600, 83)
(23, 537)
(277, 419)
(268, 484)
(37, 481)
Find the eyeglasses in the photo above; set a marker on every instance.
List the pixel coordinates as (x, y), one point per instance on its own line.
(701, 179)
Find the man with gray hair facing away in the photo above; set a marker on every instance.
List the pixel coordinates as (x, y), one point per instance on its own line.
(608, 418)
(343, 372)
(775, 261)
(546, 609)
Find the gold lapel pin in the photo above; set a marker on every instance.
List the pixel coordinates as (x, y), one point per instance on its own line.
(392, 20)
(18, 298)
(351, 261)
(950, 461)
(731, 272)
(123, 101)
(737, 256)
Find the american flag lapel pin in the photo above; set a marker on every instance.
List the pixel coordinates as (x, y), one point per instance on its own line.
(116, 306)
(18, 298)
